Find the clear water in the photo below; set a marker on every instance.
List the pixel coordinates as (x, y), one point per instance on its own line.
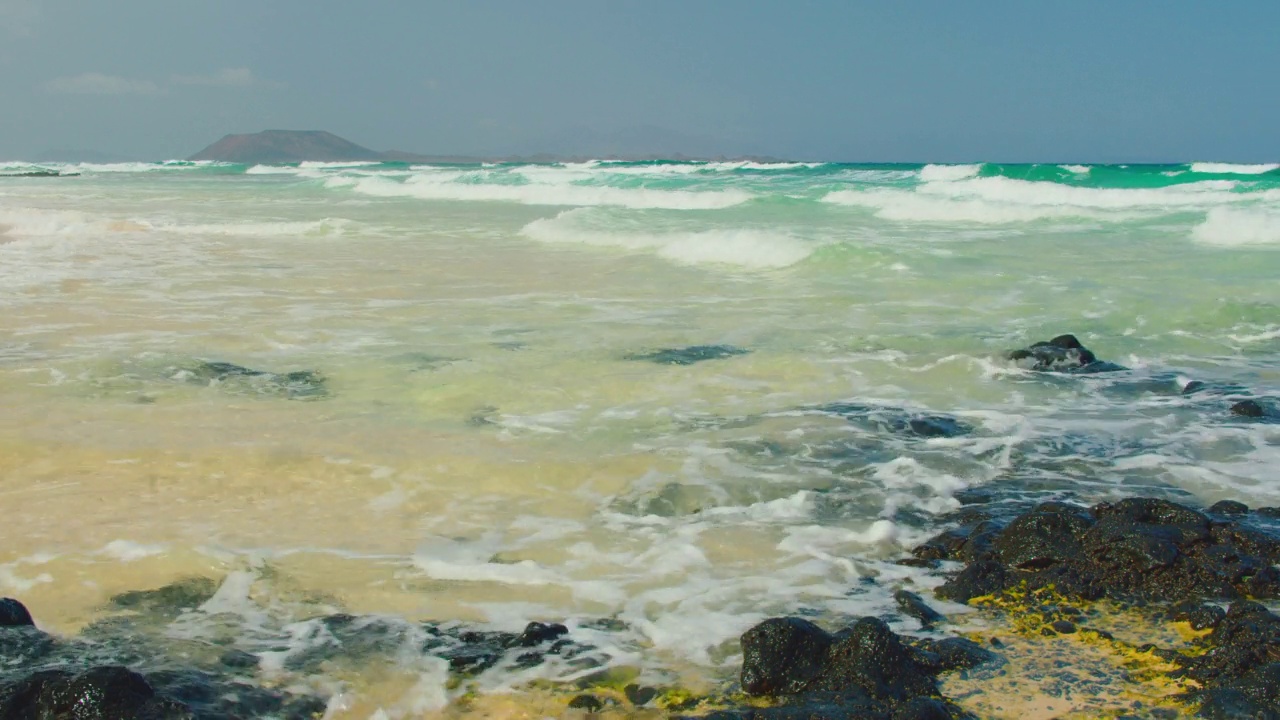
(489, 450)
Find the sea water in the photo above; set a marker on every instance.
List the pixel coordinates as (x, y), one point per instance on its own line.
(498, 438)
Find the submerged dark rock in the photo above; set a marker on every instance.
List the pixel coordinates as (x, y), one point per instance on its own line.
(174, 598)
(1138, 548)
(689, 355)
(896, 420)
(297, 385)
(102, 693)
(1062, 354)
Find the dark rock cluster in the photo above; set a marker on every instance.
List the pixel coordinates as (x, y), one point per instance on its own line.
(125, 666)
(1138, 548)
(864, 672)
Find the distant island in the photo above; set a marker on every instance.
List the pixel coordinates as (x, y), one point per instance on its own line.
(278, 147)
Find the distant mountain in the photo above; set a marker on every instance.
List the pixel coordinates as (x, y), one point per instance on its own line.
(274, 147)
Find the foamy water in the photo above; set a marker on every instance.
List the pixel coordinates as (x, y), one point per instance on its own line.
(490, 445)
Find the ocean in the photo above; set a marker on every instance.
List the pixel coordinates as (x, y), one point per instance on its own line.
(657, 402)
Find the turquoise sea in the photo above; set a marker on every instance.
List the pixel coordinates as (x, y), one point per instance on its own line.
(466, 393)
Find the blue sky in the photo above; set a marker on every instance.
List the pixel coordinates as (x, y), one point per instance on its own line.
(835, 80)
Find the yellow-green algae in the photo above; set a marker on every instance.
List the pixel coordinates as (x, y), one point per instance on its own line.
(1097, 671)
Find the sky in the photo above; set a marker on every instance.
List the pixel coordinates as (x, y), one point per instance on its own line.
(848, 80)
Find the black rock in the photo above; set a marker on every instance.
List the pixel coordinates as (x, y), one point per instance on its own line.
(590, 703)
(1047, 535)
(639, 695)
(915, 606)
(1062, 354)
(536, 633)
(1200, 617)
(1229, 507)
(14, 613)
(689, 355)
(1249, 409)
(1065, 627)
(871, 658)
(957, 653)
(782, 656)
(1229, 704)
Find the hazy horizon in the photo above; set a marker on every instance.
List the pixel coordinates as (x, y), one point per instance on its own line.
(853, 82)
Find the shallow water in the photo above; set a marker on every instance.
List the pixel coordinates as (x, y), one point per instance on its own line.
(489, 444)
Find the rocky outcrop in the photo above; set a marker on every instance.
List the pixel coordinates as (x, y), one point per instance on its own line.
(1138, 548)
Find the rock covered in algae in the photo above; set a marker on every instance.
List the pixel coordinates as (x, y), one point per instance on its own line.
(1137, 548)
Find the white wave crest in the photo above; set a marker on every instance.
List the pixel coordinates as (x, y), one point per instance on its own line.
(944, 173)
(1232, 168)
(271, 170)
(995, 200)
(347, 164)
(441, 186)
(1237, 227)
(1077, 169)
(752, 249)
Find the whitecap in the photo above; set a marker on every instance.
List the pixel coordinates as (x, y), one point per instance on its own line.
(944, 173)
(1216, 168)
(1239, 227)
